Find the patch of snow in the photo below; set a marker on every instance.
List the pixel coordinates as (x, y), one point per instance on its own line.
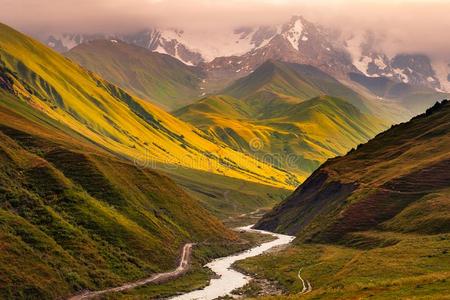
(353, 47)
(362, 64)
(67, 40)
(304, 38)
(114, 41)
(210, 44)
(442, 70)
(51, 44)
(328, 49)
(160, 49)
(380, 63)
(177, 56)
(294, 33)
(430, 79)
(402, 75)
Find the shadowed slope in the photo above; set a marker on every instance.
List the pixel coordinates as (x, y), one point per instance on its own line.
(386, 184)
(157, 77)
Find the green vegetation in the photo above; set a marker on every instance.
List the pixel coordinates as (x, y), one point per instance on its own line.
(280, 114)
(280, 81)
(416, 267)
(373, 223)
(198, 276)
(115, 120)
(225, 197)
(73, 216)
(398, 181)
(153, 76)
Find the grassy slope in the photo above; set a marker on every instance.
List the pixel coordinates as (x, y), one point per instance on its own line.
(72, 216)
(416, 267)
(369, 187)
(157, 77)
(110, 117)
(285, 80)
(381, 216)
(223, 196)
(294, 132)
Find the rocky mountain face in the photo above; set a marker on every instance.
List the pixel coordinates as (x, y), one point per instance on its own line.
(414, 69)
(231, 55)
(151, 39)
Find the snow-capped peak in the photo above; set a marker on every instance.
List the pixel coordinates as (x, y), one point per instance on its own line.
(294, 32)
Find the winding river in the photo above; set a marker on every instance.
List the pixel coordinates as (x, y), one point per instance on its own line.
(230, 279)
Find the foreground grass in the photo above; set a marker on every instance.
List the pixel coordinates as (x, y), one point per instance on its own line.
(198, 276)
(416, 267)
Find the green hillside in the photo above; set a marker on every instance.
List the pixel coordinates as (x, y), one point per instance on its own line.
(73, 216)
(373, 224)
(157, 77)
(284, 81)
(115, 120)
(280, 119)
(398, 181)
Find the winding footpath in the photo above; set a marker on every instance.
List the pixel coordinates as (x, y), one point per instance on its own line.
(306, 284)
(182, 268)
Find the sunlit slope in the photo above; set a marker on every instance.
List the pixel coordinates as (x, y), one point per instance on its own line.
(282, 81)
(398, 181)
(114, 119)
(74, 217)
(299, 138)
(152, 76)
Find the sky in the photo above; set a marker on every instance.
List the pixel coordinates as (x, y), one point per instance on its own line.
(405, 25)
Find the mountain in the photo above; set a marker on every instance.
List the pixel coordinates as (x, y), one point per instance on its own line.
(231, 54)
(152, 39)
(282, 113)
(74, 216)
(413, 97)
(399, 181)
(150, 75)
(115, 120)
(414, 69)
(284, 80)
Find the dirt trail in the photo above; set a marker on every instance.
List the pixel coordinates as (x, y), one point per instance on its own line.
(306, 284)
(183, 266)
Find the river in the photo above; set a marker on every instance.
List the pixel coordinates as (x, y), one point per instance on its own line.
(230, 279)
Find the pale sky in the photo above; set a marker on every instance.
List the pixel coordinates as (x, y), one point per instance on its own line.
(409, 25)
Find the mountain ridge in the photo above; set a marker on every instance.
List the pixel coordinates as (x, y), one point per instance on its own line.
(157, 77)
(382, 185)
(98, 110)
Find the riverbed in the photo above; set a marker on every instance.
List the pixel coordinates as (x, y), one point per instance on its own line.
(230, 279)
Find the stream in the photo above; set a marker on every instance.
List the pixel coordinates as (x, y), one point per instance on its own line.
(230, 279)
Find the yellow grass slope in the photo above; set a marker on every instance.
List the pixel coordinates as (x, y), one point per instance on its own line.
(116, 120)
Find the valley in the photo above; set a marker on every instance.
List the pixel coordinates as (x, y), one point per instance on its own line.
(290, 160)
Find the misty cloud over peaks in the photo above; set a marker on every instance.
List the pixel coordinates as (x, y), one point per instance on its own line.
(411, 26)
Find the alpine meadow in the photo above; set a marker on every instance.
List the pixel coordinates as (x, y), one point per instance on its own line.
(224, 150)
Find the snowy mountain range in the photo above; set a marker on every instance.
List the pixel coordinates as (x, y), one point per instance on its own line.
(234, 54)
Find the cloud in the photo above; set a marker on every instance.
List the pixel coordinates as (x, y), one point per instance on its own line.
(405, 25)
